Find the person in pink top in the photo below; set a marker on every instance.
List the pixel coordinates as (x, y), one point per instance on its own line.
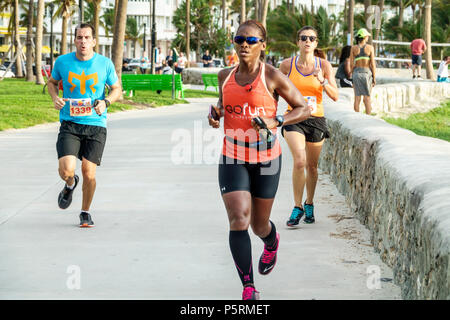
(418, 47)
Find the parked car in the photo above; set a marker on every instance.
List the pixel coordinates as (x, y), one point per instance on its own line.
(6, 74)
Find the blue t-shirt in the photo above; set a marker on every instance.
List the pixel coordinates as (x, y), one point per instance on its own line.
(83, 80)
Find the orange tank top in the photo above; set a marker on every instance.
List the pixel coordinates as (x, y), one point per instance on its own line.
(241, 104)
(309, 87)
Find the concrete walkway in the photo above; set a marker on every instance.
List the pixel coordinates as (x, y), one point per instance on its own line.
(161, 227)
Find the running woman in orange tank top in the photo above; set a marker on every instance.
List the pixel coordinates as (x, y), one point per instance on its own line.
(250, 169)
(311, 75)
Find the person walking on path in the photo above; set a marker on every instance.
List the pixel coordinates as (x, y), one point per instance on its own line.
(363, 69)
(418, 47)
(442, 73)
(250, 165)
(343, 70)
(311, 76)
(82, 114)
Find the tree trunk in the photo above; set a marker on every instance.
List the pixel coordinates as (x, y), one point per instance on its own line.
(97, 8)
(351, 8)
(119, 36)
(188, 32)
(401, 9)
(428, 52)
(224, 14)
(312, 6)
(65, 19)
(30, 76)
(377, 32)
(38, 41)
(367, 4)
(256, 9)
(243, 10)
(264, 12)
(17, 45)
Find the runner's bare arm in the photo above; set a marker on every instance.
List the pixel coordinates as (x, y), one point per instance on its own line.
(53, 90)
(279, 83)
(372, 64)
(221, 77)
(331, 88)
(285, 66)
(113, 96)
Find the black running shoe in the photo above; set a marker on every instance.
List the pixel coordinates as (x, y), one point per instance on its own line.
(85, 220)
(65, 196)
(268, 258)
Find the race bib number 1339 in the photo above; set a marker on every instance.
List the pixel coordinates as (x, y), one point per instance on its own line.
(80, 107)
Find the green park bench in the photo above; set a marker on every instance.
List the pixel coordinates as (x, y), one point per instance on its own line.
(210, 80)
(152, 82)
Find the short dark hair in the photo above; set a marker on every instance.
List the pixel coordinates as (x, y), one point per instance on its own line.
(307, 28)
(84, 25)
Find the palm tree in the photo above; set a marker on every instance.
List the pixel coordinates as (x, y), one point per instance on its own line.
(65, 11)
(29, 41)
(428, 52)
(119, 35)
(133, 33)
(243, 12)
(351, 9)
(13, 27)
(38, 41)
(96, 21)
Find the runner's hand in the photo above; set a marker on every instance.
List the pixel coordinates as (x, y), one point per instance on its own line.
(212, 122)
(100, 107)
(270, 123)
(318, 73)
(374, 82)
(59, 103)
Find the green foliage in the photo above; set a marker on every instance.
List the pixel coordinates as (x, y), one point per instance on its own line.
(435, 123)
(205, 32)
(283, 24)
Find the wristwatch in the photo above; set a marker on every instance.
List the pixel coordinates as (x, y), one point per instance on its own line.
(107, 102)
(280, 120)
(325, 81)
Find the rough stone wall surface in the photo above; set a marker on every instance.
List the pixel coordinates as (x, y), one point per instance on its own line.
(398, 183)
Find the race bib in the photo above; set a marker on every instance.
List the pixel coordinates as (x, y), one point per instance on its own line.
(80, 107)
(312, 103)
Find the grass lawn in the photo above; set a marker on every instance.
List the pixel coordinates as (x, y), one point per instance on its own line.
(22, 104)
(435, 123)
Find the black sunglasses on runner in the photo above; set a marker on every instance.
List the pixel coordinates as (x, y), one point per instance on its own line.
(311, 38)
(249, 40)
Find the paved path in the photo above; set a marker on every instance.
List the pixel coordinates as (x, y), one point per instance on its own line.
(161, 228)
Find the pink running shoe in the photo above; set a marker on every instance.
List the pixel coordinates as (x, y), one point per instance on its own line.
(268, 259)
(250, 293)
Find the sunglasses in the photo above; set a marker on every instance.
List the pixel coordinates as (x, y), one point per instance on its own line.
(311, 38)
(249, 40)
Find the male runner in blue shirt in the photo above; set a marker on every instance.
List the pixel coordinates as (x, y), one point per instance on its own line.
(83, 110)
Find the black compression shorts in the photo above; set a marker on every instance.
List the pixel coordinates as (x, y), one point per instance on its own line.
(260, 179)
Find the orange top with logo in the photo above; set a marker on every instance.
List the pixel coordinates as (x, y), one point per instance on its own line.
(309, 87)
(241, 104)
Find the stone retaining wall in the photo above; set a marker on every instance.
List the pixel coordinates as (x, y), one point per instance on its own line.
(398, 185)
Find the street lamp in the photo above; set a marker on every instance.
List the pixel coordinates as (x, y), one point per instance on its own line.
(153, 36)
(52, 7)
(145, 26)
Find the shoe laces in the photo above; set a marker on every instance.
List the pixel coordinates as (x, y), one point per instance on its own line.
(309, 210)
(295, 212)
(268, 255)
(248, 293)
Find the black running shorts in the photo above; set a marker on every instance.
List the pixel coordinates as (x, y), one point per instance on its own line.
(314, 129)
(82, 141)
(260, 179)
